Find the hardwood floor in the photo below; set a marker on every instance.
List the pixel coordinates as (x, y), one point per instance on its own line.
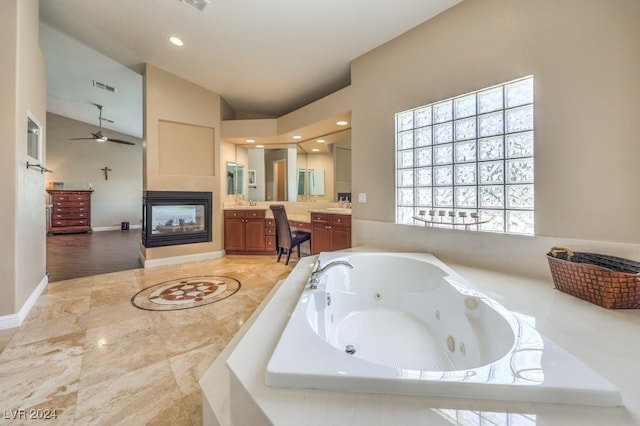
(82, 255)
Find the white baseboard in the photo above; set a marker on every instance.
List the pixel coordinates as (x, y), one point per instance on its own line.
(180, 259)
(15, 320)
(114, 228)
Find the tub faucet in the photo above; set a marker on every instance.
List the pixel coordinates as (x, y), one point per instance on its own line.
(314, 279)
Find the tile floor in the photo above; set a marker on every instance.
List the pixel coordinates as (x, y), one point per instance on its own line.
(87, 353)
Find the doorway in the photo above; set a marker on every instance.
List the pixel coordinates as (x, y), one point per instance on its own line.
(280, 180)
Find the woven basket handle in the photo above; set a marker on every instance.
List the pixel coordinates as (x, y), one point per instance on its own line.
(557, 249)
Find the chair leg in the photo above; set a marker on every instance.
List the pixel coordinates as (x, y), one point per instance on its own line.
(288, 256)
(279, 254)
(298, 251)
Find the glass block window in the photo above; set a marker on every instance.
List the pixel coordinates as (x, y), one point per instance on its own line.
(467, 162)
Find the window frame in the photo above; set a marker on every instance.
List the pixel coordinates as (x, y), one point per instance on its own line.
(445, 161)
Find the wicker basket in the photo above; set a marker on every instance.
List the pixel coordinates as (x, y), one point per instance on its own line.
(608, 281)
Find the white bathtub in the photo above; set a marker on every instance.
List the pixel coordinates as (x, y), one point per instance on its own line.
(408, 324)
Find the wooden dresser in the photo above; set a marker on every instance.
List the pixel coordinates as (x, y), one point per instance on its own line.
(70, 211)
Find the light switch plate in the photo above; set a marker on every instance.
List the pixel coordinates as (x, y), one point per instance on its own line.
(362, 197)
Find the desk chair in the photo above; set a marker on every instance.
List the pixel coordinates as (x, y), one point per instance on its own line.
(286, 240)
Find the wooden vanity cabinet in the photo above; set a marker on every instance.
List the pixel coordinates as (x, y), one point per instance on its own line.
(70, 211)
(330, 232)
(270, 234)
(248, 232)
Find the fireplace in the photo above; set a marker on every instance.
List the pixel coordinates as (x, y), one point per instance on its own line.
(175, 217)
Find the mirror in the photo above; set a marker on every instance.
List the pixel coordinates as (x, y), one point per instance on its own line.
(328, 173)
(235, 178)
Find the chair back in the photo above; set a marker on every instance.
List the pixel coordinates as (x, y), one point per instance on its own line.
(283, 230)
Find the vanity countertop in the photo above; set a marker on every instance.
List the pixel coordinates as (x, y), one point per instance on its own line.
(246, 208)
(332, 210)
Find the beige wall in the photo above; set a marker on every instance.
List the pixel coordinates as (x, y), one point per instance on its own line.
(77, 164)
(170, 98)
(23, 88)
(584, 57)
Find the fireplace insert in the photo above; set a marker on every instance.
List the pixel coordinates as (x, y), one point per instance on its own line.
(176, 217)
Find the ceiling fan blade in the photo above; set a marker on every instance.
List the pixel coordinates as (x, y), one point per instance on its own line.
(99, 136)
(120, 141)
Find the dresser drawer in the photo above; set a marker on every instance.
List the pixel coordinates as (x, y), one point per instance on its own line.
(74, 214)
(67, 208)
(69, 222)
(71, 197)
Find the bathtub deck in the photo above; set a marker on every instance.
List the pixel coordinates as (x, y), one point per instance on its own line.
(558, 315)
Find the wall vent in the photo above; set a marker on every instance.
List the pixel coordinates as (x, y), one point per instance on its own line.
(199, 5)
(103, 86)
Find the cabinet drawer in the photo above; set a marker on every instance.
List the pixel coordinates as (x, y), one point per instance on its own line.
(270, 243)
(270, 222)
(270, 230)
(255, 214)
(300, 225)
(233, 213)
(339, 219)
(249, 214)
(320, 217)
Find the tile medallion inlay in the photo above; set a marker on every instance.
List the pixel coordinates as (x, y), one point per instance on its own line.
(185, 293)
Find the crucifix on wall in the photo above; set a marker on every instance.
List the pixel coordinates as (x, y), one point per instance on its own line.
(106, 171)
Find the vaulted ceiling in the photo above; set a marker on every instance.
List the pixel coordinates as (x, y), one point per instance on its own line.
(265, 58)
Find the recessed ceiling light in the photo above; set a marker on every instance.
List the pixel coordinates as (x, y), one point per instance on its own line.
(297, 137)
(176, 40)
(250, 141)
(315, 149)
(342, 123)
(259, 146)
(320, 141)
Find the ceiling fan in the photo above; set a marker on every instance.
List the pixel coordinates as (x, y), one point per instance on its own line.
(99, 136)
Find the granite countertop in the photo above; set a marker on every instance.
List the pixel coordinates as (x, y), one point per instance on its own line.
(332, 210)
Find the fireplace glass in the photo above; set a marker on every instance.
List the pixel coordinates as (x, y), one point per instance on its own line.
(178, 218)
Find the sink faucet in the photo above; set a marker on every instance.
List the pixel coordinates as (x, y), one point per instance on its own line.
(314, 279)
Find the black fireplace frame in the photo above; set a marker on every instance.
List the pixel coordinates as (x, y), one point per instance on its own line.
(175, 198)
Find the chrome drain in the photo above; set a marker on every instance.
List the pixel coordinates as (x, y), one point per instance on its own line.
(350, 349)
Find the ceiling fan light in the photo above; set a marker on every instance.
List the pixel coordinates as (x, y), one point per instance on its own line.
(102, 139)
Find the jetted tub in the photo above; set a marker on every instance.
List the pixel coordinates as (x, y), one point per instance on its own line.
(406, 323)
